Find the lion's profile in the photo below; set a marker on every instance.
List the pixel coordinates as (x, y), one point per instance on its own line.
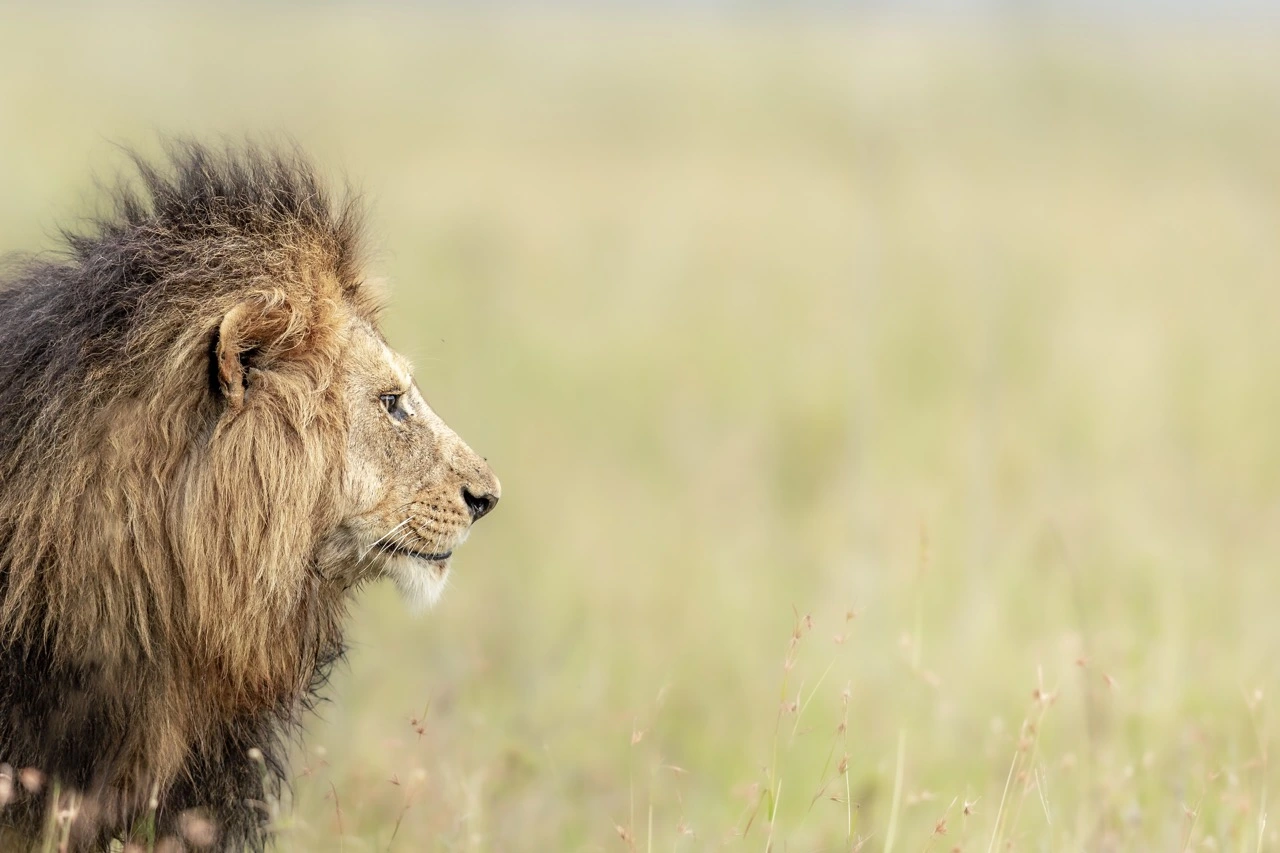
(205, 447)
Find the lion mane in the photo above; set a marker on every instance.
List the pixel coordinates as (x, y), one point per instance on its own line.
(162, 624)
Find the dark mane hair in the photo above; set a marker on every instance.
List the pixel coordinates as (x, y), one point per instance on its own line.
(143, 651)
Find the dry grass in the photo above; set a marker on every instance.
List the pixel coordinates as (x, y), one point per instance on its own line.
(962, 343)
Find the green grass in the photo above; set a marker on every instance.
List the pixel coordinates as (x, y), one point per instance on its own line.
(888, 417)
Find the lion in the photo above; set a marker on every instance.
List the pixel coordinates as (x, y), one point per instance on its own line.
(206, 448)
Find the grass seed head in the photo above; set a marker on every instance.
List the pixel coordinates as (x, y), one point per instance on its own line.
(197, 830)
(31, 779)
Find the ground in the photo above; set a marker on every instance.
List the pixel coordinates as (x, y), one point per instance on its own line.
(887, 414)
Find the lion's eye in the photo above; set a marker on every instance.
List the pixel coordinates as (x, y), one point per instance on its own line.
(390, 402)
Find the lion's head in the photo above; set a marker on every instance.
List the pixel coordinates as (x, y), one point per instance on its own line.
(237, 447)
(400, 489)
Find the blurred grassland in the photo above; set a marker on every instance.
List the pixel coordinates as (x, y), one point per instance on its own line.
(974, 333)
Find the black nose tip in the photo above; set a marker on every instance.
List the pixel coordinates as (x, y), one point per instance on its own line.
(480, 505)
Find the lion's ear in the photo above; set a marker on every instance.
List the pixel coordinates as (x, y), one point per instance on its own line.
(247, 337)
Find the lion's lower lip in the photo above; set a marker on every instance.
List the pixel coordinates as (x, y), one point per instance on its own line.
(417, 555)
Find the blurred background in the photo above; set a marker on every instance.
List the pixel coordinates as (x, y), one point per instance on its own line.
(886, 399)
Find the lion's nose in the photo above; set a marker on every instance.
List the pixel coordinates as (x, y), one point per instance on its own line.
(480, 505)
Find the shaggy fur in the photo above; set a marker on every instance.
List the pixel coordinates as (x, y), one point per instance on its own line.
(161, 610)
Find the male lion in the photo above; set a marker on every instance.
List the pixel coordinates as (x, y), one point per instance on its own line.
(205, 447)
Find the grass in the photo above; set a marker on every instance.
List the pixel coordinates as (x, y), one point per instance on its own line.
(886, 415)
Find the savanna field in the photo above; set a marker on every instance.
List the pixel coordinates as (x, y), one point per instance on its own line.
(888, 415)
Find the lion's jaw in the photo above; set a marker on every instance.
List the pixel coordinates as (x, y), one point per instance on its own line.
(421, 583)
(413, 487)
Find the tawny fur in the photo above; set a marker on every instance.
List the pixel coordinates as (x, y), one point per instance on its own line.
(173, 448)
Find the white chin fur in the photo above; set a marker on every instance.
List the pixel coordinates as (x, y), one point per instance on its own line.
(420, 584)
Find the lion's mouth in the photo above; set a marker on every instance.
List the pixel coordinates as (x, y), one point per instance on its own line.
(416, 555)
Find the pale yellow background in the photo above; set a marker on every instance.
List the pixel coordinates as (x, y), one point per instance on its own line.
(972, 330)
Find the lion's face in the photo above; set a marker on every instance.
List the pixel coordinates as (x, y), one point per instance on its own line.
(411, 487)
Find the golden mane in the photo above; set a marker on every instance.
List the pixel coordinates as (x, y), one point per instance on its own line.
(157, 574)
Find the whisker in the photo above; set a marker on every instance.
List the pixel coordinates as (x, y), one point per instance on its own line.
(374, 544)
(383, 539)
